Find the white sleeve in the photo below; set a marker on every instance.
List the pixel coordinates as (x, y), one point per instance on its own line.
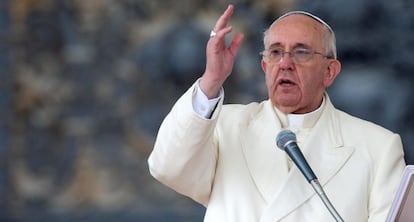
(202, 105)
(186, 148)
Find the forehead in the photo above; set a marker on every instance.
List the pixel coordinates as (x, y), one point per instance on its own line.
(296, 29)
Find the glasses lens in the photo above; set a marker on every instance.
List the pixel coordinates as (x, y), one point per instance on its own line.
(302, 55)
(274, 55)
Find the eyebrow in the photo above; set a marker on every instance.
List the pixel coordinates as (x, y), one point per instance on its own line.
(297, 45)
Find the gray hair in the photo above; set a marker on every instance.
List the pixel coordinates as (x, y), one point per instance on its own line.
(329, 39)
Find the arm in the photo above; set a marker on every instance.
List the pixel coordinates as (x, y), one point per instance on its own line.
(387, 177)
(185, 152)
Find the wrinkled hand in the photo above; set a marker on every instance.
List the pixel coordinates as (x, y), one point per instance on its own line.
(220, 58)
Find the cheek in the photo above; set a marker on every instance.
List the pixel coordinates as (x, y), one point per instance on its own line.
(270, 77)
(268, 80)
(311, 84)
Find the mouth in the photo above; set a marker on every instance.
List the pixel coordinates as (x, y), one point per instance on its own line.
(286, 82)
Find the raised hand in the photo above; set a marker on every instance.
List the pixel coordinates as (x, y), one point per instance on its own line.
(220, 57)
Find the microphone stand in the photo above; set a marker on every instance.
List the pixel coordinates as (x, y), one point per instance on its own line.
(319, 190)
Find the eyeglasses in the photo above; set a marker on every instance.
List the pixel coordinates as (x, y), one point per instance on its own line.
(299, 55)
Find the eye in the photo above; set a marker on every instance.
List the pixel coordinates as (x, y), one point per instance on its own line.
(275, 52)
(302, 52)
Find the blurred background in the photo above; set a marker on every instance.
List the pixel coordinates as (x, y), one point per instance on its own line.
(85, 85)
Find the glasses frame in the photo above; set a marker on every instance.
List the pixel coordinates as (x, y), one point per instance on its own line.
(292, 55)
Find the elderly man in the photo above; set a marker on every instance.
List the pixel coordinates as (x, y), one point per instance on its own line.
(224, 156)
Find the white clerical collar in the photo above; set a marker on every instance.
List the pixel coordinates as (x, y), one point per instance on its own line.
(306, 120)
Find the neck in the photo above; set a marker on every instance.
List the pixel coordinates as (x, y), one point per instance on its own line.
(306, 119)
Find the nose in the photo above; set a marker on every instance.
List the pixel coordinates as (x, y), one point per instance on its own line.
(286, 62)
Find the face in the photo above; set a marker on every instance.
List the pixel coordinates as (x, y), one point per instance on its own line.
(298, 87)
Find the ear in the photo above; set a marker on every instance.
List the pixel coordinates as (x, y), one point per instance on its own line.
(333, 70)
(264, 65)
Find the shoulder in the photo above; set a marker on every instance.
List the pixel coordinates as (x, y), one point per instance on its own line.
(369, 139)
(231, 111)
(357, 125)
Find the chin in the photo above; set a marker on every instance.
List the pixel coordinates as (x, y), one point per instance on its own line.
(284, 106)
(287, 100)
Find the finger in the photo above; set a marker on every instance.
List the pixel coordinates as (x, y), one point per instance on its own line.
(235, 43)
(218, 41)
(219, 35)
(223, 32)
(224, 18)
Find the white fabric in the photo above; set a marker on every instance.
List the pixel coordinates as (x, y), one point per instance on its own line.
(231, 165)
(202, 105)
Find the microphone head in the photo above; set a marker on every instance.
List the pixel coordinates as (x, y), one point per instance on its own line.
(284, 137)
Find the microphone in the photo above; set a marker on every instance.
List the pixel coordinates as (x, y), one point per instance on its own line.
(286, 140)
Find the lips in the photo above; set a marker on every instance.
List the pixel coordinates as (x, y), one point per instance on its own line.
(286, 82)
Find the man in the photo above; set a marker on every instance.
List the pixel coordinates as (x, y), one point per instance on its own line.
(225, 156)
